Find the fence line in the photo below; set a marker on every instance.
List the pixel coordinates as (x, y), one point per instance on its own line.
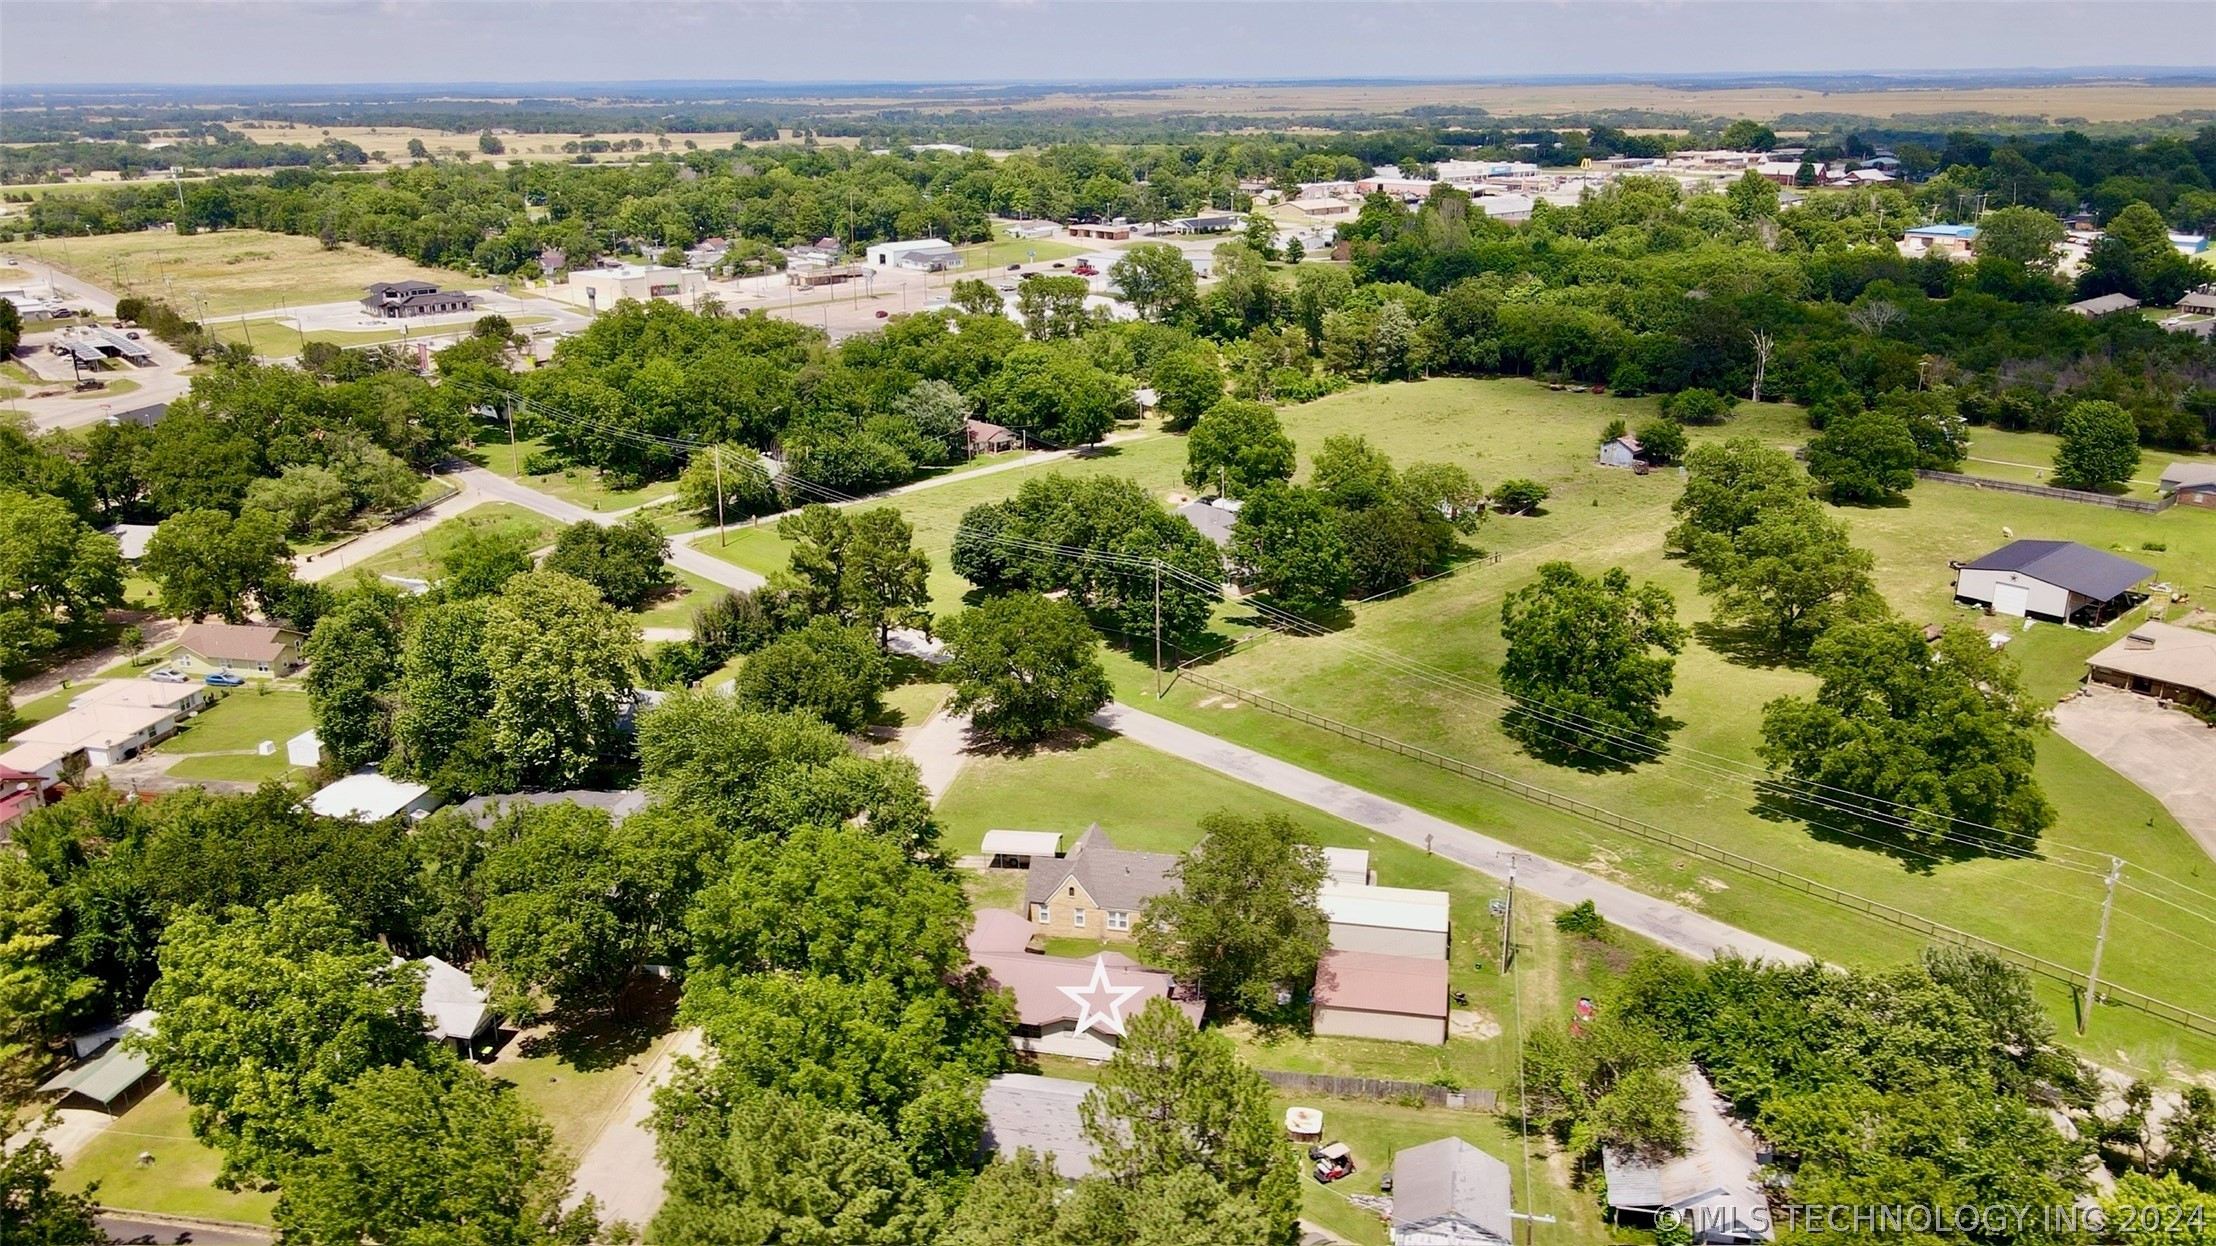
(2135, 505)
(2185, 1018)
(1381, 1088)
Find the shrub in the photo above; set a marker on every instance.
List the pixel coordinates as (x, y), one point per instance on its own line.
(1584, 921)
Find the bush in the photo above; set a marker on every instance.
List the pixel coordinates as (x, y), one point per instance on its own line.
(1517, 497)
(1697, 406)
(1584, 921)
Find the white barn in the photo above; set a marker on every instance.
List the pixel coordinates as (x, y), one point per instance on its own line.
(1389, 921)
(2059, 581)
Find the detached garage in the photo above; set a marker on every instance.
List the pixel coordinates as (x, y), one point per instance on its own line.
(1389, 921)
(2059, 581)
(1367, 995)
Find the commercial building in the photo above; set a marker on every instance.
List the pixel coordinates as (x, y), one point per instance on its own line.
(1449, 1193)
(1390, 921)
(2059, 581)
(245, 649)
(404, 300)
(2161, 660)
(601, 288)
(371, 797)
(1402, 999)
(1111, 231)
(912, 254)
(1953, 241)
(1096, 891)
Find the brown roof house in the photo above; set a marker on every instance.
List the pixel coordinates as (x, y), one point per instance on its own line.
(1066, 1005)
(243, 648)
(1097, 890)
(2161, 660)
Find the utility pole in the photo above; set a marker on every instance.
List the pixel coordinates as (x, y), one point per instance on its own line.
(717, 451)
(1508, 917)
(1157, 629)
(2100, 944)
(515, 460)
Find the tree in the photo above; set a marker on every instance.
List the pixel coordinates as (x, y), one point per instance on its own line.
(1187, 383)
(1156, 279)
(1864, 456)
(266, 1014)
(1696, 406)
(417, 151)
(354, 657)
(624, 561)
(1583, 667)
(1052, 307)
(974, 296)
(1446, 490)
(306, 501)
(1025, 667)
(32, 1210)
(53, 567)
(1287, 543)
(38, 987)
(1243, 923)
(481, 560)
(1055, 392)
(1012, 1203)
(747, 488)
(1519, 497)
(2099, 448)
(1934, 419)
(939, 414)
(1787, 576)
(834, 672)
(1748, 135)
(1753, 197)
(1261, 234)
(442, 732)
(1907, 737)
(2027, 239)
(885, 582)
(1661, 440)
(1728, 487)
(207, 563)
(490, 144)
(561, 663)
(1238, 446)
(413, 1156)
(1174, 1104)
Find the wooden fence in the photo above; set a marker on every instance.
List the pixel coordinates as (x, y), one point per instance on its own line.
(2071, 976)
(1381, 1088)
(2135, 505)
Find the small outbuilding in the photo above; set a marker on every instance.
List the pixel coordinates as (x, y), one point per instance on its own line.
(1027, 1112)
(371, 797)
(1449, 1193)
(1401, 999)
(2191, 484)
(1016, 850)
(1391, 921)
(2105, 305)
(2059, 581)
(456, 1010)
(2161, 660)
(1349, 866)
(1620, 452)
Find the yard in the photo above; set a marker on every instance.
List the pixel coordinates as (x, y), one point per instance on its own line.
(2029, 459)
(579, 1086)
(419, 558)
(221, 742)
(234, 270)
(579, 485)
(175, 1182)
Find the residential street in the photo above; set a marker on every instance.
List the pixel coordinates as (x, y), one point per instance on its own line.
(1679, 929)
(498, 488)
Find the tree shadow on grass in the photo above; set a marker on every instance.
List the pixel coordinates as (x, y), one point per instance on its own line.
(1068, 740)
(1741, 645)
(1557, 744)
(1779, 801)
(603, 1038)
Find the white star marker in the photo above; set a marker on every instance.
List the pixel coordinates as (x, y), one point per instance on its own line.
(1088, 1011)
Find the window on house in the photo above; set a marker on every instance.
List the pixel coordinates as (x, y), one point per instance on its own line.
(1077, 918)
(1073, 889)
(1046, 915)
(1118, 920)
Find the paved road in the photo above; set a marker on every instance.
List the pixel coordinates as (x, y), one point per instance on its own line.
(496, 487)
(2164, 751)
(134, 1227)
(620, 1168)
(1679, 929)
(370, 544)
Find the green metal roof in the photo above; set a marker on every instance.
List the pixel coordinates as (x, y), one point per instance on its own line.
(105, 1078)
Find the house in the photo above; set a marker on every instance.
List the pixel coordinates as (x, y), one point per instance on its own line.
(620, 803)
(1372, 995)
(1621, 452)
(986, 438)
(1714, 1189)
(1016, 850)
(2192, 484)
(404, 300)
(1449, 1193)
(1027, 1112)
(21, 791)
(1067, 1006)
(455, 1009)
(144, 694)
(1097, 890)
(1112, 231)
(2203, 301)
(1952, 241)
(1347, 865)
(1392, 921)
(2060, 581)
(371, 797)
(2105, 305)
(602, 288)
(2161, 660)
(245, 649)
(1215, 518)
(103, 734)
(889, 254)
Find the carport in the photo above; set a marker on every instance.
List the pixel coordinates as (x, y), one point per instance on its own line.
(105, 1079)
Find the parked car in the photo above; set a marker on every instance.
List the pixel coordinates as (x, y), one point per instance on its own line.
(224, 679)
(168, 675)
(882, 313)
(1085, 269)
(1015, 267)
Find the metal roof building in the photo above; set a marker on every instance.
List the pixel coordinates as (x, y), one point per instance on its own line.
(1024, 1111)
(1449, 1193)
(1715, 1187)
(2061, 581)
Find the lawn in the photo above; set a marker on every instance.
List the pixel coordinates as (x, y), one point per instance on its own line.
(234, 271)
(911, 703)
(579, 485)
(176, 1183)
(112, 389)
(220, 741)
(578, 1088)
(2029, 458)
(1599, 518)
(277, 335)
(419, 558)
(678, 608)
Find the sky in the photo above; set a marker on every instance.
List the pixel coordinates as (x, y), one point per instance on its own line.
(271, 42)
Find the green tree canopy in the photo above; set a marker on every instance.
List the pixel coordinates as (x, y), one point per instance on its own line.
(561, 664)
(1237, 447)
(624, 560)
(207, 562)
(481, 560)
(2099, 447)
(354, 658)
(1156, 279)
(1864, 456)
(1243, 923)
(1025, 667)
(1589, 662)
(1287, 542)
(1187, 384)
(837, 673)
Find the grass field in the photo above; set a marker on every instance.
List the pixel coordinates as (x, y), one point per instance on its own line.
(220, 742)
(579, 485)
(2029, 458)
(577, 1093)
(176, 1182)
(678, 609)
(419, 558)
(236, 270)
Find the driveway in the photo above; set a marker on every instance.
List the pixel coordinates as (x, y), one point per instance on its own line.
(620, 1168)
(2168, 752)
